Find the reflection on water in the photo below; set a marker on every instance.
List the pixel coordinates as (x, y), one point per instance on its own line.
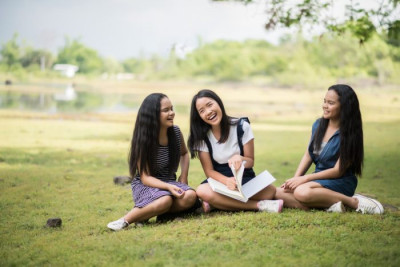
(68, 95)
(67, 100)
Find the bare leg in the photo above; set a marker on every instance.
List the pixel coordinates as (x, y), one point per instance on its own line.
(289, 200)
(222, 202)
(181, 204)
(313, 195)
(265, 194)
(157, 207)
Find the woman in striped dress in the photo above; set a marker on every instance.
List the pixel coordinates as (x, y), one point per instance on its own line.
(157, 148)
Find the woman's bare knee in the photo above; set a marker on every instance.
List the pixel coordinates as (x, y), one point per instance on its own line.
(162, 204)
(189, 199)
(302, 194)
(204, 192)
(266, 193)
(270, 191)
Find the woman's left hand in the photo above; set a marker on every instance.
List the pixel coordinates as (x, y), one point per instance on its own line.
(235, 161)
(292, 183)
(176, 191)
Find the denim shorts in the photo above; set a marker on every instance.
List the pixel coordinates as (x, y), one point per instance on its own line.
(345, 185)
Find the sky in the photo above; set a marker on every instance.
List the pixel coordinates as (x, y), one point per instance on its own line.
(127, 28)
(122, 29)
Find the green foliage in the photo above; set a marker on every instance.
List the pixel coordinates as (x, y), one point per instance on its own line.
(19, 61)
(394, 33)
(33, 57)
(10, 52)
(362, 28)
(307, 11)
(76, 53)
(295, 61)
(357, 19)
(111, 65)
(134, 65)
(231, 60)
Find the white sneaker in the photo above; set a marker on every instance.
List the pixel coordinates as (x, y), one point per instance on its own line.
(273, 206)
(368, 205)
(338, 207)
(118, 224)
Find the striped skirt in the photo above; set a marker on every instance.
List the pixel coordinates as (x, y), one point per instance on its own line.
(144, 195)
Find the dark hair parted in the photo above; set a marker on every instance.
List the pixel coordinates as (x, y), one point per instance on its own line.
(351, 131)
(145, 139)
(199, 128)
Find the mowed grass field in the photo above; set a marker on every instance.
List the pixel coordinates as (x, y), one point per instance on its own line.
(62, 165)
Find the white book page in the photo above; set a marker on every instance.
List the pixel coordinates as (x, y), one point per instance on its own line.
(258, 183)
(238, 176)
(222, 189)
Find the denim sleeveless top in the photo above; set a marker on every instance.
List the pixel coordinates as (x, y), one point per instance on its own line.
(329, 154)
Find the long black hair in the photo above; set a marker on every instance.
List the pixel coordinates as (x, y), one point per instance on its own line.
(351, 131)
(199, 128)
(144, 144)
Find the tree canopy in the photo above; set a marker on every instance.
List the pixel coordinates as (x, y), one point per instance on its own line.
(358, 18)
(75, 52)
(10, 52)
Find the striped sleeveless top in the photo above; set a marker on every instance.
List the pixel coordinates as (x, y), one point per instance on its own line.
(162, 160)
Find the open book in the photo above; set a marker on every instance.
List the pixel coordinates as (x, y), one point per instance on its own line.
(246, 191)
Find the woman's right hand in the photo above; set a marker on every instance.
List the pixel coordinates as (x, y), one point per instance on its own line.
(176, 191)
(235, 162)
(231, 183)
(286, 189)
(292, 183)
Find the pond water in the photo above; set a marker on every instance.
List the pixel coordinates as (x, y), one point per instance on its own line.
(67, 100)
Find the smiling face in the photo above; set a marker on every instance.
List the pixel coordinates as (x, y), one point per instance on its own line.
(331, 106)
(167, 113)
(209, 111)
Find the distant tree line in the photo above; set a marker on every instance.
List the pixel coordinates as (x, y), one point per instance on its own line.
(294, 61)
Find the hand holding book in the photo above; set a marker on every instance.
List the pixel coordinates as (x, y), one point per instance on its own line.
(235, 162)
(231, 184)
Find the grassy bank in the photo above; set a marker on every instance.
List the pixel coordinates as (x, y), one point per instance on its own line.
(62, 165)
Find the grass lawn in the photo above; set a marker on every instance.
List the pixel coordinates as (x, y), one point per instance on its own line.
(62, 165)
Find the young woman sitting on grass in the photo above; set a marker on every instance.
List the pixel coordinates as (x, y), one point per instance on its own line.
(336, 148)
(214, 139)
(157, 148)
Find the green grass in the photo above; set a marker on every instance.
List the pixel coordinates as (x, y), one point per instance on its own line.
(62, 166)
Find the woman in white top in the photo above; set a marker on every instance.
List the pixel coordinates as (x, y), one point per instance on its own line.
(220, 141)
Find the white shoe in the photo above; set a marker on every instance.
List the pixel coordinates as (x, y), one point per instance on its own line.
(338, 207)
(273, 206)
(368, 205)
(118, 224)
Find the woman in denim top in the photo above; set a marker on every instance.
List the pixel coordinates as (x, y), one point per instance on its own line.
(337, 150)
(329, 155)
